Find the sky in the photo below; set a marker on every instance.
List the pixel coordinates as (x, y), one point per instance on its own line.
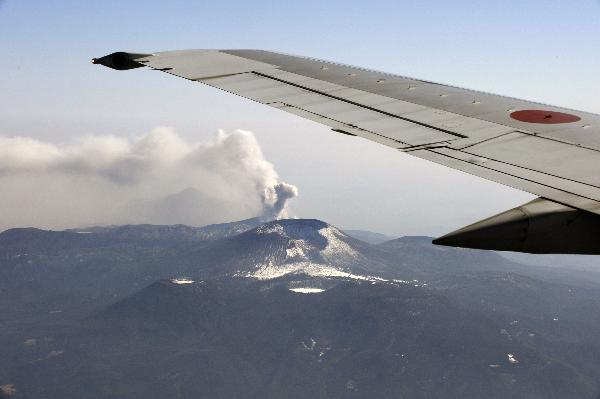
(51, 94)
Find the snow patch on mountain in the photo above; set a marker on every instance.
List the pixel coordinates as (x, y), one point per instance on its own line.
(271, 228)
(336, 248)
(182, 281)
(297, 249)
(272, 271)
(307, 290)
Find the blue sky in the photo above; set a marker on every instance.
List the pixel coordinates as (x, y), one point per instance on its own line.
(539, 50)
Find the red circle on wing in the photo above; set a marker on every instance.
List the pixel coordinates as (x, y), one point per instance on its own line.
(541, 116)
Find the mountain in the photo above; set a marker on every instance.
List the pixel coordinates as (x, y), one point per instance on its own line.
(177, 233)
(579, 262)
(288, 308)
(368, 236)
(287, 246)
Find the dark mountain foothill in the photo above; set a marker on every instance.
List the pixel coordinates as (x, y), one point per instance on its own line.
(290, 308)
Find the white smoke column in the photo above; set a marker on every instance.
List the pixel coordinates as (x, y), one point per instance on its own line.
(156, 178)
(281, 194)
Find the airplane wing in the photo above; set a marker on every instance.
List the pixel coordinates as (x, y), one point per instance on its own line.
(545, 150)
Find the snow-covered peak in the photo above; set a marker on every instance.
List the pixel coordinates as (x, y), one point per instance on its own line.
(294, 228)
(303, 246)
(309, 240)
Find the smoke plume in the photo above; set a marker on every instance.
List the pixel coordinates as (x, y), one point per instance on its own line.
(155, 178)
(276, 206)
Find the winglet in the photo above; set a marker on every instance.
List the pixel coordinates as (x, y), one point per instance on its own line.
(120, 60)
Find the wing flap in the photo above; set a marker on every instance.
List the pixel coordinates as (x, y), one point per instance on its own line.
(553, 158)
(559, 190)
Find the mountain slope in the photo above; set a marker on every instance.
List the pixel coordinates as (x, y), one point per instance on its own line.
(368, 236)
(247, 339)
(293, 308)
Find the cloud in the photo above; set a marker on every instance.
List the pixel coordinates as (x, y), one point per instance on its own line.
(155, 178)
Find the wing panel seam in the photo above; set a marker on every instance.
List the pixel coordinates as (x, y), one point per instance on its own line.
(362, 105)
(531, 169)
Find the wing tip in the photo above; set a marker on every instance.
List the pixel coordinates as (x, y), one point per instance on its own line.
(120, 60)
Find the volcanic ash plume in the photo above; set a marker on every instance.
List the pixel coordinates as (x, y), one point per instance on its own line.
(156, 178)
(276, 207)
